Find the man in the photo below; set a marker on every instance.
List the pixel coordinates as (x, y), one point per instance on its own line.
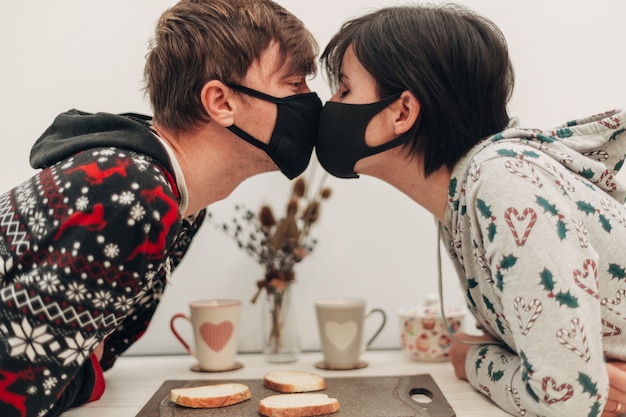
(87, 244)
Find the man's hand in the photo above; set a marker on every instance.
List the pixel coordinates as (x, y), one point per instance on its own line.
(616, 403)
(458, 351)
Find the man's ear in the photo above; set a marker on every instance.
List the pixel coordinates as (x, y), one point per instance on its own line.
(407, 110)
(218, 102)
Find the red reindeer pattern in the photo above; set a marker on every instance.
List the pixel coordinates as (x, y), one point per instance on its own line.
(154, 250)
(8, 397)
(91, 221)
(94, 175)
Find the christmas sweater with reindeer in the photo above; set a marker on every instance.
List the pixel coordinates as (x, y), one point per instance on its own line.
(85, 248)
(536, 227)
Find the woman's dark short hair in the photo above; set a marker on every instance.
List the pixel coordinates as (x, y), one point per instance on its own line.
(453, 60)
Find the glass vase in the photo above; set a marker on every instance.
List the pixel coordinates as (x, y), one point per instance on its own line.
(280, 337)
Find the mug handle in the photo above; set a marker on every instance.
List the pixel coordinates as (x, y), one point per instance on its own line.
(178, 336)
(380, 328)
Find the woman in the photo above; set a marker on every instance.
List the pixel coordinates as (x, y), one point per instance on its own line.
(533, 219)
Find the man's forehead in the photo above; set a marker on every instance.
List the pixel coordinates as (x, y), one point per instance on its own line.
(271, 63)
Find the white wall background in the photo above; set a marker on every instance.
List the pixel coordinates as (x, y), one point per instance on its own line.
(570, 61)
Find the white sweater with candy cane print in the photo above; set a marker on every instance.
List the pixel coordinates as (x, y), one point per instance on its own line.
(537, 229)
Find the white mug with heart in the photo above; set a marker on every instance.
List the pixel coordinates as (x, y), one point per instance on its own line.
(341, 321)
(215, 326)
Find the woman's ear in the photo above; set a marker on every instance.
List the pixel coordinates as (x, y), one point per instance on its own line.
(218, 102)
(407, 110)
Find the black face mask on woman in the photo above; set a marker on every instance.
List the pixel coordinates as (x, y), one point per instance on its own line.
(341, 138)
(294, 134)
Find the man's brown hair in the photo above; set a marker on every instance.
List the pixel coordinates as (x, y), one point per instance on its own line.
(199, 40)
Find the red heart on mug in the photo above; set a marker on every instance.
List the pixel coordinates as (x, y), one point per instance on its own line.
(216, 335)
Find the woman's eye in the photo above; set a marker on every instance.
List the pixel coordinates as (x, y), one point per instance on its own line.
(343, 92)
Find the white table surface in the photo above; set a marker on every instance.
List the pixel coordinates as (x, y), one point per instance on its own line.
(134, 379)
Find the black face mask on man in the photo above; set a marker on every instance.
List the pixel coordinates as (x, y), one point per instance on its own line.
(341, 138)
(294, 134)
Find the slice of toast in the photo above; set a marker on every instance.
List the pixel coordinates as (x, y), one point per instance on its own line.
(298, 405)
(293, 381)
(210, 396)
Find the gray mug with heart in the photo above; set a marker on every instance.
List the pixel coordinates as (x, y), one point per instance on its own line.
(341, 321)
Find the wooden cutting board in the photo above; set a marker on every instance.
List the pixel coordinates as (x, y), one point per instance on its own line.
(389, 396)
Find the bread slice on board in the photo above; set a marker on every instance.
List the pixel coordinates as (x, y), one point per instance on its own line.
(211, 396)
(293, 381)
(298, 405)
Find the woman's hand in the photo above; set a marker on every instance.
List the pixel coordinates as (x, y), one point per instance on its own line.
(458, 351)
(616, 403)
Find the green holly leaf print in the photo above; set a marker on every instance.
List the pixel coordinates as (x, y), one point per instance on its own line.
(472, 283)
(531, 393)
(499, 280)
(501, 327)
(547, 280)
(619, 165)
(478, 364)
(530, 154)
(585, 207)
(497, 137)
(547, 207)
(489, 305)
(567, 299)
(472, 303)
(545, 138)
(491, 231)
(528, 368)
(564, 133)
(452, 187)
(588, 385)
(617, 271)
(586, 173)
(497, 376)
(508, 261)
(595, 410)
(561, 229)
(606, 224)
(507, 152)
(483, 351)
(617, 133)
(484, 209)
(490, 369)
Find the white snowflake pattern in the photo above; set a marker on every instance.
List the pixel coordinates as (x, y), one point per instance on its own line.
(111, 250)
(37, 223)
(123, 303)
(32, 390)
(23, 192)
(108, 151)
(81, 203)
(27, 279)
(5, 265)
(27, 204)
(101, 299)
(27, 340)
(76, 291)
(127, 197)
(49, 383)
(137, 212)
(49, 282)
(77, 348)
(141, 163)
(68, 164)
